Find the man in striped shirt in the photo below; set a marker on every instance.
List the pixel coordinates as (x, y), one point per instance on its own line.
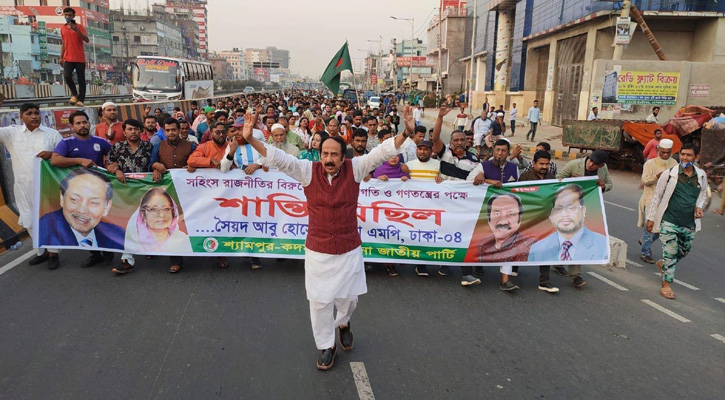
(424, 167)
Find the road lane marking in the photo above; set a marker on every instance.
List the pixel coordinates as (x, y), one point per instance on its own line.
(620, 206)
(666, 311)
(679, 282)
(720, 299)
(362, 382)
(636, 264)
(17, 261)
(608, 282)
(718, 337)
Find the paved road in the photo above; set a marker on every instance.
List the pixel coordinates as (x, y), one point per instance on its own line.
(242, 334)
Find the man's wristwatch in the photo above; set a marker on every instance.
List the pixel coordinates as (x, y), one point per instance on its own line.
(230, 157)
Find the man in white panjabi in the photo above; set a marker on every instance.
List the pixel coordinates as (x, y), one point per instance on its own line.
(24, 143)
(334, 268)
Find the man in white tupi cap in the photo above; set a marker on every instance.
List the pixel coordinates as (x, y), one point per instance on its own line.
(109, 128)
(279, 140)
(651, 172)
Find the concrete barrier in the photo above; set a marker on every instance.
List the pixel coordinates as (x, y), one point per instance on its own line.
(617, 253)
(25, 91)
(58, 91)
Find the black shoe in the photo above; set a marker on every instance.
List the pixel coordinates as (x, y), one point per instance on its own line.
(561, 271)
(421, 270)
(95, 258)
(123, 268)
(37, 259)
(345, 335)
(444, 270)
(53, 261)
(508, 286)
(392, 271)
(647, 259)
(548, 287)
(326, 359)
(578, 282)
(478, 271)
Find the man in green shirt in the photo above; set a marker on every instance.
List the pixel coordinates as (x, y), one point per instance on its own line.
(675, 212)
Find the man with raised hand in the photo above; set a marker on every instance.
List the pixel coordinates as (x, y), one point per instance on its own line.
(334, 266)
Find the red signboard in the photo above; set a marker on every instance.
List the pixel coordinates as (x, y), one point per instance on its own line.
(416, 61)
(62, 124)
(373, 79)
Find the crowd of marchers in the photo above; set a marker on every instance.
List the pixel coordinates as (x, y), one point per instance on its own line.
(209, 135)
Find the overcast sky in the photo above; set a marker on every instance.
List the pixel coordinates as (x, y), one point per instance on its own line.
(314, 30)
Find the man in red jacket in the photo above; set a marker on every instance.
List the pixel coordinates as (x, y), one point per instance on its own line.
(334, 268)
(73, 57)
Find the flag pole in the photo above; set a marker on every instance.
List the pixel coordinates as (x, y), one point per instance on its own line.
(354, 81)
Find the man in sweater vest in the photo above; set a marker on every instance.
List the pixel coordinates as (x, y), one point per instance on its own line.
(334, 268)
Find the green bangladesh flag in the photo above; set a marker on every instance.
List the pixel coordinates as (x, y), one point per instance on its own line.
(339, 63)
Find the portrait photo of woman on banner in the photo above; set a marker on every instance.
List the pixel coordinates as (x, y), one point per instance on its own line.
(155, 225)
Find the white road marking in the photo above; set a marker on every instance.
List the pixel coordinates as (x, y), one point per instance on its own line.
(679, 282)
(718, 337)
(364, 391)
(720, 299)
(620, 206)
(17, 261)
(636, 264)
(608, 282)
(666, 311)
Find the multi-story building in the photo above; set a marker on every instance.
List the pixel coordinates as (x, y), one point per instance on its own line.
(236, 59)
(197, 8)
(221, 68)
(548, 49)
(145, 33)
(93, 14)
(279, 56)
(267, 65)
(445, 36)
(189, 32)
(412, 54)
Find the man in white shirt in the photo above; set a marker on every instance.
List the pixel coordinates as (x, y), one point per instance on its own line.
(417, 114)
(410, 147)
(25, 143)
(652, 118)
(334, 266)
(514, 113)
(594, 114)
(481, 128)
(533, 117)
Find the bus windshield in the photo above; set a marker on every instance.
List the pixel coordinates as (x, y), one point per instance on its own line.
(157, 74)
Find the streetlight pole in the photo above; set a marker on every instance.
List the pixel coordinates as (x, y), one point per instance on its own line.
(412, 39)
(380, 61)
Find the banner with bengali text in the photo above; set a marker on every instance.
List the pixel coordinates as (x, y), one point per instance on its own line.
(265, 214)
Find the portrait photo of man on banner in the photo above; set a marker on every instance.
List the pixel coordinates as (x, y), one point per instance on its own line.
(523, 224)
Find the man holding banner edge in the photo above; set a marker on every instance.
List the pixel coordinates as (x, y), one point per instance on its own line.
(334, 266)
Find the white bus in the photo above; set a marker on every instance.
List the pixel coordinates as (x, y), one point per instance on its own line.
(163, 78)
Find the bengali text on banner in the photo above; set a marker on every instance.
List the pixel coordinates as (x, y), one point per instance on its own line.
(265, 214)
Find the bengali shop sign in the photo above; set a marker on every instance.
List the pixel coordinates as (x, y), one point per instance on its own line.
(213, 213)
(642, 87)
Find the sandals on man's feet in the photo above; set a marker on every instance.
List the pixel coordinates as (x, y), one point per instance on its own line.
(223, 263)
(667, 293)
(175, 268)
